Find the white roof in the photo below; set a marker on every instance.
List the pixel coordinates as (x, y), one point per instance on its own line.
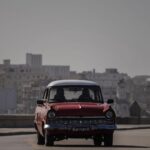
(71, 82)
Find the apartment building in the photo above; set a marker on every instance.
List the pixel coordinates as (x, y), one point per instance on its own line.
(18, 76)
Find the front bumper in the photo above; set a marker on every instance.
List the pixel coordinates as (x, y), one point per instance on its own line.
(86, 127)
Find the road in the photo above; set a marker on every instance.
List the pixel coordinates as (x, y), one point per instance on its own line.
(129, 140)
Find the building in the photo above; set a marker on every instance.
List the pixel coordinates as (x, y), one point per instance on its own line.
(141, 92)
(122, 103)
(56, 72)
(135, 110)
(8, 102)
(107, 80)
(34, 60)
(27, 81)
(21, 78)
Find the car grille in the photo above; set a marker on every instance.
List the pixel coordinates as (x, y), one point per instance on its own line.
(79, 121)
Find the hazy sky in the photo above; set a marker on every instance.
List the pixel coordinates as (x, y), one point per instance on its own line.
(84, 34)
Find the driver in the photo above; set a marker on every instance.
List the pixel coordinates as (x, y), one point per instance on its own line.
(60, 95)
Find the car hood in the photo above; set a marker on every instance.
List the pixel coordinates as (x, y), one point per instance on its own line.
(79, 108)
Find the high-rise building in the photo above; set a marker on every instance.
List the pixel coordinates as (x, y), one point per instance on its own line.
(34, 60)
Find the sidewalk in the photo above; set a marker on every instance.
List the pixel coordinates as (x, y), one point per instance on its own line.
(132, 127)
(24, 131)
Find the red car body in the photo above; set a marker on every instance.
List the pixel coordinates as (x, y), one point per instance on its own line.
(73, 117)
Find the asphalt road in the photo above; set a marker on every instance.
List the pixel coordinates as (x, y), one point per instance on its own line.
(129, 140)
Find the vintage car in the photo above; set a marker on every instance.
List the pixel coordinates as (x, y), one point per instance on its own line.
(74, 109)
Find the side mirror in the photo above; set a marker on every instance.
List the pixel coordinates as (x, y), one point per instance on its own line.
(40, 102)
(110, 101)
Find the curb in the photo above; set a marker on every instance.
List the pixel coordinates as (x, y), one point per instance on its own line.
(132, 128)
(16, 133)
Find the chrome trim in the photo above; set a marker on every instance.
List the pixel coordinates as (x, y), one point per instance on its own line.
(91, 127)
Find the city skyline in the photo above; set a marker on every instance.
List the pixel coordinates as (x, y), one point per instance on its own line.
(22, 84)
(31, 60)
(82, 34)
(33, 64)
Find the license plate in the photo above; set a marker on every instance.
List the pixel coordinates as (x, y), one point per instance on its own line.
(80, 129)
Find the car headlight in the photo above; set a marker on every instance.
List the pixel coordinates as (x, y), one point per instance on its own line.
(51, 114)
(109, 114)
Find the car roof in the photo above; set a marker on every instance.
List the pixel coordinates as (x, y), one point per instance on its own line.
(72, 82)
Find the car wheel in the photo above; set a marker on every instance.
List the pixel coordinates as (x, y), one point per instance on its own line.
(108, 139)
(40, 139)
(49, 140)
(97, 140)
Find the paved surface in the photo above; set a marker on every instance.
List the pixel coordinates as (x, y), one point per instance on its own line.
(16, 131)
(23, 131)
(125, 139)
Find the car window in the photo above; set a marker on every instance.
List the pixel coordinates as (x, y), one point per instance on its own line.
(45, 95)
(75, 93)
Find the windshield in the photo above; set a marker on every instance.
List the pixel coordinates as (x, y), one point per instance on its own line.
(75, 94)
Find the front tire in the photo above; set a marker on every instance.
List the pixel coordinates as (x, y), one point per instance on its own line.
(108, 139)
(97, 140)
(49, 140)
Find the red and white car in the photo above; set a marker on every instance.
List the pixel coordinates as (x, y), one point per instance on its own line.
(74, 109)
